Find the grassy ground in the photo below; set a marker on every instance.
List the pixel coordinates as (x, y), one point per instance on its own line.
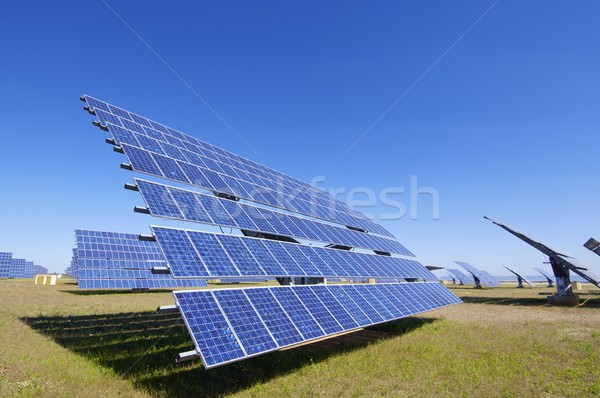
(502, 342)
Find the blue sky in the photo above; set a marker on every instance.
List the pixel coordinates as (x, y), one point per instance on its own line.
(505, 124)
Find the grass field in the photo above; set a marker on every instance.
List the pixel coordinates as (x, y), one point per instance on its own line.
(502, 342)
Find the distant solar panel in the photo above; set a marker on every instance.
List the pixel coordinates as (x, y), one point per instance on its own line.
(5, 264)
(464, 279)
(520, 278)
(549, 279)
(245, 280)
(112, 260)
(557, 258)
(20, 269)
(230, 325)
(483, 276)
(38, 269)
(593, 245)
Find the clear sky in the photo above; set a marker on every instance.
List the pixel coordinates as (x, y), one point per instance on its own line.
(496, 109)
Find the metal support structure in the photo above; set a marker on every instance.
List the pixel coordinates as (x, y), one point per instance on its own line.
(167, 309)
(564, 291)
(186, 356)
(520, 282)
(477, 282)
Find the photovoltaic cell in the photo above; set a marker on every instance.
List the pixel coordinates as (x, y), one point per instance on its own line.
(231, 325)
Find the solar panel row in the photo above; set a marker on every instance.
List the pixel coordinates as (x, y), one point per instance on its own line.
(115, 245)
(176, 203)
(483, 276)
(20, 268)
(198, 254)
(158, 150)
(113, 260)
(229, 325)
(148, 283)
(466, 279)
(5, 264)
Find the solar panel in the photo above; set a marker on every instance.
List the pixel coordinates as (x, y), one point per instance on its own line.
(38, 269)
(176, 203)
(464, 279)
(245, 280)
(549, 279)
(593, 245)
(480, 275)
(5, 264)
(230, 325)
(112, 260)
(20, 269)
(158, 150)
(196, 254)
(520, 278)
(559, 258)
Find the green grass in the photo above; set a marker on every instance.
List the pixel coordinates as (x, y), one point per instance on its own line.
(502, 342)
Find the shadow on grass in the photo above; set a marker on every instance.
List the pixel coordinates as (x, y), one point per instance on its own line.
(142, 347)
(116, 291)
(589, 301)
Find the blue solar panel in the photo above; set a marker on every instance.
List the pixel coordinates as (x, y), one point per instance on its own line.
(245, 280)
(177, 203)
(466, 279)
(5, 264)
(229, 325)
(161, 151)
(195, 254)
(112, 260)
(38, 269)
(483, 276)
(20, 269)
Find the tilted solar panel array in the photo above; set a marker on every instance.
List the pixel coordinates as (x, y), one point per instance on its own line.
(196, 254)
(72, 269)
(546, 274)
(112, 260)
(159, 150)
(5, 263)
(39, 270)
(228, 325)
(467, 279)
(520, 278)
(484, 277)
(20, 269)
(180, 204)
